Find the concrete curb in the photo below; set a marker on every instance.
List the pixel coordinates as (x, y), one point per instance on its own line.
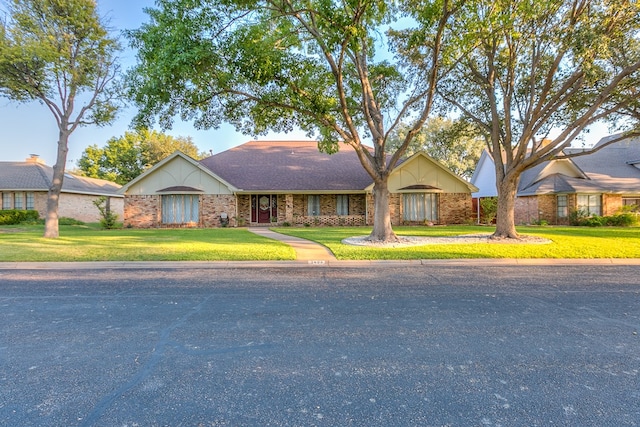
(199, 265)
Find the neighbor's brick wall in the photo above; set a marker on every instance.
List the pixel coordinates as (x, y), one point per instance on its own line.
(40, 203)
(531, 209)
(526, 210)
(611, 204)
(76, 206)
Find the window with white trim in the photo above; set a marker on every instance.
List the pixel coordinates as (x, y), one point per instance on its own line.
(420, 206)
(30, 201)
(180, 208)
(313, 205)
(342, 204)
(563, 209)
(591, 204)
(7, 201)
(18, 200)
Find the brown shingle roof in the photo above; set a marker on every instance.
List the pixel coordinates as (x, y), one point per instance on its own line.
(289, 166)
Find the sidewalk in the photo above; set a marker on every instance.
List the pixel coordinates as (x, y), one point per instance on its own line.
(306, 250)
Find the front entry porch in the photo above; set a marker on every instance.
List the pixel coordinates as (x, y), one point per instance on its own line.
(264, 209)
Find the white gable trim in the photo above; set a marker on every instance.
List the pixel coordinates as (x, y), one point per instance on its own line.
(422, 154)
(168, 159)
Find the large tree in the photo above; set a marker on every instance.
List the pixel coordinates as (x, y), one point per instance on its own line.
(124, 158)
(454, 143)
(58, 52)
(537, 74)
(317, 65)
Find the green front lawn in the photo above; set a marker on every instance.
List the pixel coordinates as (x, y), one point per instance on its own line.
(567, 242)
(89, 243)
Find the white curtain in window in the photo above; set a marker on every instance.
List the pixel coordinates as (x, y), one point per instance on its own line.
(420, 207)
(6, 201)
(30, 201)
(18, 201)
(179, 208)
(590, 203)
(313, 205)
(342, 204)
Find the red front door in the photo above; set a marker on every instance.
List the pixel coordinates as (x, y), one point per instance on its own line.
(263, 208)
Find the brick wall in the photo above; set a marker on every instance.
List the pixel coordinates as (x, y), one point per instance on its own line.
(455, 208)
(76, 206)
(328, 208)
(611, 204)
(395, 208)
(213, 205)
(142, 211)
(531, 209)
(244, 209)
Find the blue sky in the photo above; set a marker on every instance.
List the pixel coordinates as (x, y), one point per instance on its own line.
(30, 128)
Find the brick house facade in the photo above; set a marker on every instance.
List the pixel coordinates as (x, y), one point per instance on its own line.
(599, 182)
(289, 183)
(25, 185)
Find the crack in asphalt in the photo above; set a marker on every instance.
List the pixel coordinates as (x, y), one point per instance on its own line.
(157, 354)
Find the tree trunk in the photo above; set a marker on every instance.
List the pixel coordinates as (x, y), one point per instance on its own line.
(382, 230)
(505, 216)
(51, 229)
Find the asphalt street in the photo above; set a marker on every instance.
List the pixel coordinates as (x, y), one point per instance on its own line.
(414, 345)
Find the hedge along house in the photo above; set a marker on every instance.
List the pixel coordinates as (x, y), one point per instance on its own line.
(25, 185)
(598, 183)
(289, 182)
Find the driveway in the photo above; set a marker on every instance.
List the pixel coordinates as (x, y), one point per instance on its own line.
(394, 346)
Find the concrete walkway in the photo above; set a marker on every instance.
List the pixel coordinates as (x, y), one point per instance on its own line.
(306, 250)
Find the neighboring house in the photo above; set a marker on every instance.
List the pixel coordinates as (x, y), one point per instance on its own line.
(25, 185)
(289, 183)
(598, 183)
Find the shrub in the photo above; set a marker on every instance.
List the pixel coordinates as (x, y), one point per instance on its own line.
(488, 209)
(622, 220)
(593, 221)
(16, 216)
(577, 216)
(108, 219)
(69, 221)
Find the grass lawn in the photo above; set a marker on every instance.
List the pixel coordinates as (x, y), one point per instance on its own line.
(89, 243)
(567, 242)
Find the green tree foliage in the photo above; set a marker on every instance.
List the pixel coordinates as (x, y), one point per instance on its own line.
(455, 144)
(537, 73)
(58, 52)
(271, 65)
(124, 158)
